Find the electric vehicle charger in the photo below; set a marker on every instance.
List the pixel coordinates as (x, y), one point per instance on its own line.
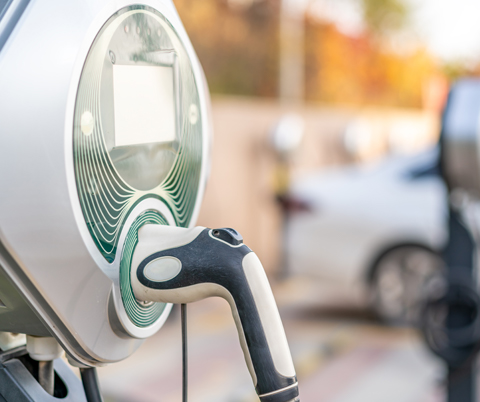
(451, 320)
(105, 136)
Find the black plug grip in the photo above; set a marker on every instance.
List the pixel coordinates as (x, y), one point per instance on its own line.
(219, 259)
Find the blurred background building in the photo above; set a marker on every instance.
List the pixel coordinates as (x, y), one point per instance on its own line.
(359, 72)
(369, 78)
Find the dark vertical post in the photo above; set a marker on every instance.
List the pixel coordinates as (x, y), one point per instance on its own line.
(459, 259)
(461, 385)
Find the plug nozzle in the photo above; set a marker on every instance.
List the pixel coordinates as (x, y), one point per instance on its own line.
(175, 265)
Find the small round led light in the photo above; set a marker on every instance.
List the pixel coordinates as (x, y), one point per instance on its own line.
(86, 123)
(193, 114)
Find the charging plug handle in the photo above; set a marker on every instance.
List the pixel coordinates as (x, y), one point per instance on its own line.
(217, 263)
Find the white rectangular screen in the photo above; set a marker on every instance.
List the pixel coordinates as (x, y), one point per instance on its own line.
(144, 104)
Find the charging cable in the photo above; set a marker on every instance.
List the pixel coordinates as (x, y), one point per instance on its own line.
(183, 314)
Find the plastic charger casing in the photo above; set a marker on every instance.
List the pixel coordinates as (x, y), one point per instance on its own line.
(53, 279)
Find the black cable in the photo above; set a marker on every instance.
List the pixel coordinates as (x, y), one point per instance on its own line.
(184, 353)
(90, 384)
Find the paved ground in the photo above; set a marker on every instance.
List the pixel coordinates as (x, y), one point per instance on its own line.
(340, 355)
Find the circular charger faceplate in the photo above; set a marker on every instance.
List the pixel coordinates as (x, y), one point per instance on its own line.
(137, 135)
(137, 130)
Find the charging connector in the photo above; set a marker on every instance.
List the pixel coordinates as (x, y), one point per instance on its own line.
(176, 265)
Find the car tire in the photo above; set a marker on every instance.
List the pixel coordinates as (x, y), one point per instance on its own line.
(400, 280)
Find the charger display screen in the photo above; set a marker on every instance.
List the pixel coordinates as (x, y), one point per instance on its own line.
(144, 105)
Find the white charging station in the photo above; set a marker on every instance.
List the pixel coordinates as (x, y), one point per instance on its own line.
(104, 132)
(104, 127)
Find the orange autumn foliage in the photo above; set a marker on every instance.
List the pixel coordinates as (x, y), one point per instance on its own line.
(343, 69)
(238, 47)
(239, 50)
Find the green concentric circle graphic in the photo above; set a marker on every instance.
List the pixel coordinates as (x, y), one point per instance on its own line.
(105, 196)
(141, 315)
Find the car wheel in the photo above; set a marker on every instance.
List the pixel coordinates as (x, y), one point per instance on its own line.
(400, 280)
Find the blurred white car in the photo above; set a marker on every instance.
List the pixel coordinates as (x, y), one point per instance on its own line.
(379, 227)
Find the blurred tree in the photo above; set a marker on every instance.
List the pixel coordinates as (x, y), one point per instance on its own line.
(456, 69)
(384, 17)
(356, 70)
(236, 42)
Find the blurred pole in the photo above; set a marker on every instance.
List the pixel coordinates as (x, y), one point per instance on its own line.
(292, 51)
(450, 317)
(285, 140)
(291, 90)
(459, 258)
(282, 173)
(461, 387)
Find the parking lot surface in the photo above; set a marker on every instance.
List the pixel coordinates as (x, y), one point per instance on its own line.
(341, 354)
